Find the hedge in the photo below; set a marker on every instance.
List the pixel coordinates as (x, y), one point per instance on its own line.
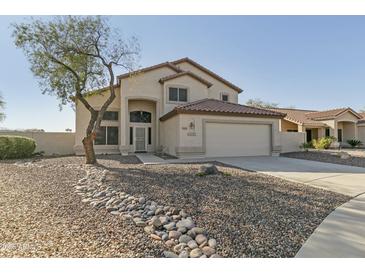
(15, 147)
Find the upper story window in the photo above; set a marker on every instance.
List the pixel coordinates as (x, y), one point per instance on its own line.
(111, 115)
(225, 97)
(178, 95)
(140, 117)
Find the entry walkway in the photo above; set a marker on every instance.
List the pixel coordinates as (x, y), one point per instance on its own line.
(340, 235)
(150, 159)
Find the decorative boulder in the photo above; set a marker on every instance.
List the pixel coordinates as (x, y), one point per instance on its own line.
(344, 155)
(208, 169)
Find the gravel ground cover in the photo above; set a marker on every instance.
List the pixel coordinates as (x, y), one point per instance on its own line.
(328, 157)
(41, 216)
(249, 214)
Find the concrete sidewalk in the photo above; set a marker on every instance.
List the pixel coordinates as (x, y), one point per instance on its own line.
(340, 235)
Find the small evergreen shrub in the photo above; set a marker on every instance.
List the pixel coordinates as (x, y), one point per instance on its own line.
(323, 143)
(354, 143)
(16, 147)
(306, 146)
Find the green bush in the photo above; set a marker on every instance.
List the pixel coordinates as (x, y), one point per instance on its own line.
(323, 143)
(306, 146)
(354, 143)
(15, 147)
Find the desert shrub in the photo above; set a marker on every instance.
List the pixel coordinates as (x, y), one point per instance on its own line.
(354, 143)
(323, 143)
(306, 146)
(15, 147)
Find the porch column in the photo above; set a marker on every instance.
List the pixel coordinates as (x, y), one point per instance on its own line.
(356, 132)
(335, 130)
(157, 122)
(124, 146)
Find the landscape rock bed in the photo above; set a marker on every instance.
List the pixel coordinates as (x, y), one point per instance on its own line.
(249, 214)
(42, 216)
(330, 157)
(162, 223)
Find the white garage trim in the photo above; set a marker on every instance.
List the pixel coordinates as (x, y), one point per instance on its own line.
(219, 121)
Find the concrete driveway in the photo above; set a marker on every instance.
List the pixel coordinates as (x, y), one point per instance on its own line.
(343, 179)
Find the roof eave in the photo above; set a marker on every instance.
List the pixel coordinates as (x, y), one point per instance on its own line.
(177, 111)
(211, 73)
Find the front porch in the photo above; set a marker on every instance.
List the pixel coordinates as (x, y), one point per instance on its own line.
(141, 125)
(342, 130)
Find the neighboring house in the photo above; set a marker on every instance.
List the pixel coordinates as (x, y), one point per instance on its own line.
(182, 109)
(342, 123)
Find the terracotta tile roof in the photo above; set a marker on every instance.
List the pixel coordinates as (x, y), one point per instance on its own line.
(298, 116)
(174, 66)
(184, 73)
(213, 106)
(313, 117)
(165, 64)
(209, 72)
(327, 114)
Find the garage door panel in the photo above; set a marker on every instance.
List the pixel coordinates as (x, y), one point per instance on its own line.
(227, 139)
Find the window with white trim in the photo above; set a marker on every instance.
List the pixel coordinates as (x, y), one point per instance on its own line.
(225, 97)
(178, 94)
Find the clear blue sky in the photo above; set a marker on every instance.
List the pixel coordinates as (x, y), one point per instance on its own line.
(309, 62)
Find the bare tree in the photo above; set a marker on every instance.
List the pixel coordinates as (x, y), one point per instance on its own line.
(261, 104)
(73, 55)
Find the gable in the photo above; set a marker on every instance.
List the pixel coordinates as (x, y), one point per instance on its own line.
(215, 79)
(348, 115)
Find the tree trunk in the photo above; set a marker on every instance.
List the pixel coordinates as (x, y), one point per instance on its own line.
(89, 149)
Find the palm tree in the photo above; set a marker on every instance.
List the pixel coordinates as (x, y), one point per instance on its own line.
(2, 106)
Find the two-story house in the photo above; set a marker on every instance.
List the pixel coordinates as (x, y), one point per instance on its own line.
(183, 109)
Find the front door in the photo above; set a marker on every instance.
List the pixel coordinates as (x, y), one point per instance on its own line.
(309, 135)
(140, 139)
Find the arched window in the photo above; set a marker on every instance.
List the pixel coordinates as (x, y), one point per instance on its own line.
(140, 117)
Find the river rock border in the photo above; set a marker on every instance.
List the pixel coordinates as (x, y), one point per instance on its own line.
(174, 227)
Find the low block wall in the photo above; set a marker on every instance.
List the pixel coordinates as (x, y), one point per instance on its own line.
(52, 143)
(291, 141)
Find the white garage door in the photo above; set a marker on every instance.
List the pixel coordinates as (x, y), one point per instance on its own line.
(226, 139)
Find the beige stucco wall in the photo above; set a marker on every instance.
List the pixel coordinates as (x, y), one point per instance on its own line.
(347, 116)
(217, 88)
(361, 133)
(349, 131)
(169, 135)
(52, 143)
(196, 91)
(286, 125)
(83, 117)
(291, 141)
(190, 142)
(143, 91)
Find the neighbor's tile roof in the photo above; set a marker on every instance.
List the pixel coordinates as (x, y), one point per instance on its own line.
(213, 106)
(298, 116)
(313, 117)
(327, 114)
